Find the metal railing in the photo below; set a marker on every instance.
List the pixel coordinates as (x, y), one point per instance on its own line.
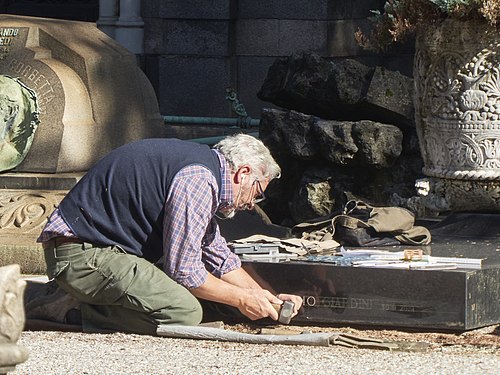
(243, 121)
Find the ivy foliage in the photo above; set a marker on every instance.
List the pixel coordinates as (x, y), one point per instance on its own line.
(400, 19)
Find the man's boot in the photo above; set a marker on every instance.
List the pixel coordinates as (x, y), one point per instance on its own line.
(52, 303)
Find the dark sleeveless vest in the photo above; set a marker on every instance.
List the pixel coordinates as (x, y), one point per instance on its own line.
(120, 201)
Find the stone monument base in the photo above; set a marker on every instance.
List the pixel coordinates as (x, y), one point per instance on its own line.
(446, 299)
(26, 201)
(441, 194)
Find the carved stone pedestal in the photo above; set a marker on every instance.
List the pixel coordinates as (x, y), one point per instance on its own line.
(11, 318)
(26, 200)
(457, 112)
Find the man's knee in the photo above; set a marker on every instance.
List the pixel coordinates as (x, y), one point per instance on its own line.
(193, 316)
(189, 313)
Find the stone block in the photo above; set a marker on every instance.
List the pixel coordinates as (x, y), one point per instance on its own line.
(29, 256)
(364, 143)
(252, 72)
(296, 35)
(393, 92)
(194, 86)
(192, 9)
(150, 9)
(290, 132)
(39, 181)
(187, 37)
(314, 85)
(154, 36)
(257, 37)
(280, 37)
(91, 94)
(283, 9)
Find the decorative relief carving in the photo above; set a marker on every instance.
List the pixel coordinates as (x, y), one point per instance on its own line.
(11, 303)
(18, 121)
(459, 195)
(11, 318)
(457, 102)
(26, 211)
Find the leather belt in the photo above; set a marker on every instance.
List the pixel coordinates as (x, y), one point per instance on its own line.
(58, 241)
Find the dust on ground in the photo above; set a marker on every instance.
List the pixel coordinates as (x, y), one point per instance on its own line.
(485, 339)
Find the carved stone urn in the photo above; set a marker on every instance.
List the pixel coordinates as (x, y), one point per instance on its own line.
(457, 113)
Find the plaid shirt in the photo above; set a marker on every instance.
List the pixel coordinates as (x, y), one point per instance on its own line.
(55, 227)
(188, 226)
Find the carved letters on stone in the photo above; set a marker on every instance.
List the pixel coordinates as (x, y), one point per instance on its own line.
(7, 37)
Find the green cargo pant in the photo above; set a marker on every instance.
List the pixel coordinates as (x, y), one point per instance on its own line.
(119, 291)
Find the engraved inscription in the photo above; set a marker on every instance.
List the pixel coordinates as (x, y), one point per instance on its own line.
(360, 304)
(7, 35)
(339, 302)
(36, 80)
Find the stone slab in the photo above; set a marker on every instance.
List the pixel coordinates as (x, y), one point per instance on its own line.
(392, 92)
(39, 181)
(252, 71)
(271, 37)
(192, 9)
(283, 9)
(182, 92)
(29, 256)
(24, 213)
(187, 37)
(460, 299)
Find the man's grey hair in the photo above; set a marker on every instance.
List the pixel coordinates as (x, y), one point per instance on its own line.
(241, 149)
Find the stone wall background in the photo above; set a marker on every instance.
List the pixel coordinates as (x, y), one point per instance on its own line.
(193, 49)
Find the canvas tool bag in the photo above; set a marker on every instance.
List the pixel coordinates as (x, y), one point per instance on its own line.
(363, 225)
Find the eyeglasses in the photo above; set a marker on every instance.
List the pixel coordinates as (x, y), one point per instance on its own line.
(260, 193)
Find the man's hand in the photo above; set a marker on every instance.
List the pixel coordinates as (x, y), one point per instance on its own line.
(256, 304)
(238, 289)
(297, 301)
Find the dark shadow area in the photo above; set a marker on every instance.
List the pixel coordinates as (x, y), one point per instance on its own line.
(83, 10)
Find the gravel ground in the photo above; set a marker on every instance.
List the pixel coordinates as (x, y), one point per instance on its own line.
(78, 353)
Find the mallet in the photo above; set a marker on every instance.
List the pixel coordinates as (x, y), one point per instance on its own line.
(285, 311)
